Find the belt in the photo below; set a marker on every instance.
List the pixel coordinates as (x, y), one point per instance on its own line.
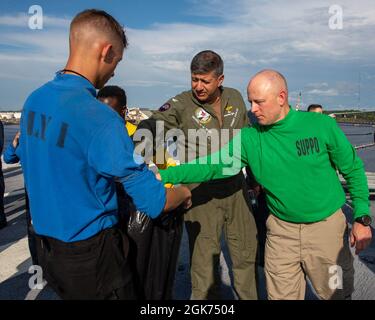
(76, 247)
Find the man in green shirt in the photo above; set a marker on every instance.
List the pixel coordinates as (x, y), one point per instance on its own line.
(211, 111)
(294, 156)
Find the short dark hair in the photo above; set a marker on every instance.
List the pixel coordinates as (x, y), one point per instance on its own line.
(207, 61)
(313, 107)
(102, 21)
(113, 91)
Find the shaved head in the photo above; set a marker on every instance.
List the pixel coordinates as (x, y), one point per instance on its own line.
(97, 42)
(93, 25)
(271, 80)
(268, 94)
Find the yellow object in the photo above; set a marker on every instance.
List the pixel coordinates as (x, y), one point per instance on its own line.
(131, 128)
(168, 163)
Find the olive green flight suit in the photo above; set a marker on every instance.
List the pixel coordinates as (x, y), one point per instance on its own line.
(221, 205)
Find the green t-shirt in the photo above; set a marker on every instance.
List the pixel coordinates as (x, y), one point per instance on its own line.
(295, 160)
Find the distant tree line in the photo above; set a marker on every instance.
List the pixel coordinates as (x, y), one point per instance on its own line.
(367, 117)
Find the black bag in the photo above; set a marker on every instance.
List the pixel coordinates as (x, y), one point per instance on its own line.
(154, 248)
(139, 229)
(163, 255)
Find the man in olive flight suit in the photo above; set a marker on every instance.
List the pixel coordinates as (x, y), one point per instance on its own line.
(217, 205)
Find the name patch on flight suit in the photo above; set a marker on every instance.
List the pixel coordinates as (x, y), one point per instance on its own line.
(231, 111)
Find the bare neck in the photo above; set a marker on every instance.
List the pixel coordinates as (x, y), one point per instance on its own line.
(82, 67)
(285, 112)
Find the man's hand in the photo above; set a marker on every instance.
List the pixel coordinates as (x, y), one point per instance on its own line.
(177, 196)
(188, 203)
(16, 139)
(360, 236)
(187, 194)
(257, 189)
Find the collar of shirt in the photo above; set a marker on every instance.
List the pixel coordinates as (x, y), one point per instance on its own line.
(72, 80)
(283, 122)
(208, 107)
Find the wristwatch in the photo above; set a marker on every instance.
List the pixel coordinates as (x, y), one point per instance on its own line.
(364, 220)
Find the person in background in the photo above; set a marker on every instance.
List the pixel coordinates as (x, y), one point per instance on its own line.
(116, 98)
(154, 243)
(3, 219)
(315, 108)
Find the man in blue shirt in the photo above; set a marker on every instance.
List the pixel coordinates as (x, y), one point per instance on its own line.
(72, 148)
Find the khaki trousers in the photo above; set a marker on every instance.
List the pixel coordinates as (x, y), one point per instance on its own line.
(317, 250)
(218, 209)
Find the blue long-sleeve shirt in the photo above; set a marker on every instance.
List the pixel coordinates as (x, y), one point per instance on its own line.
(71, 149)
(10, 154)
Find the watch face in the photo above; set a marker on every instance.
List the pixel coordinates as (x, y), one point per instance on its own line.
(366, 220)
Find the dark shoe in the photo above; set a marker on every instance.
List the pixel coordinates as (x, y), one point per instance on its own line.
(3, 224)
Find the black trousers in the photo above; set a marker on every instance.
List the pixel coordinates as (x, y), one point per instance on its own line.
(96, 268)
(31, 235)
